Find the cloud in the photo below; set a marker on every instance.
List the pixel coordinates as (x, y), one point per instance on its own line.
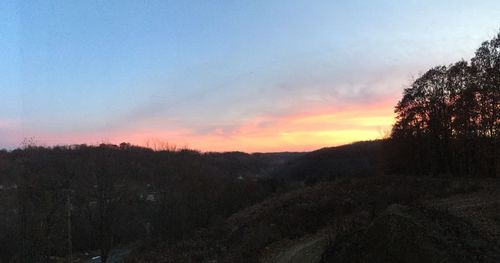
(297, 131)
(278, 91)
(296, 108)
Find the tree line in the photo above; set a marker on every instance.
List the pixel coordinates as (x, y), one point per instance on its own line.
(448, 120)
(58, 201)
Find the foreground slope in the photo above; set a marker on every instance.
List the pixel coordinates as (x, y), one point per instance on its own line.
(333, 221)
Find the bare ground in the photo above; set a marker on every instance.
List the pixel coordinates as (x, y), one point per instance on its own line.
(480, 209)
(304, 250)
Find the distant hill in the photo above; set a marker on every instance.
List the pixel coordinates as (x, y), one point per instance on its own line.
(356, 159)
(245, 164)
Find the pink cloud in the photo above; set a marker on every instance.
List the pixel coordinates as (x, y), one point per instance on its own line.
(301, 131)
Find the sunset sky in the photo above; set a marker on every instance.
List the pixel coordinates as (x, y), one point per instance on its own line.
(222, 75)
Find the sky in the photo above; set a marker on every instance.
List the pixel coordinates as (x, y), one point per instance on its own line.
(255, 76)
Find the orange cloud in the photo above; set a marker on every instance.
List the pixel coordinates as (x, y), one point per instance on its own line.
(296, 132)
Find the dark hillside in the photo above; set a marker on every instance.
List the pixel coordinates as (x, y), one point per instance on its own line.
(312, 215)
(356, 159)
(120, 194)
(244, 164)
(406, 234)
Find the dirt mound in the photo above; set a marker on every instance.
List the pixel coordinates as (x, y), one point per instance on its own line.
(404, 234)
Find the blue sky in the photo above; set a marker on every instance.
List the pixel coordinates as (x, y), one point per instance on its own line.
(200, 72)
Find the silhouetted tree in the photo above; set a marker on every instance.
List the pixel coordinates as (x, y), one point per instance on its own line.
(448, 119)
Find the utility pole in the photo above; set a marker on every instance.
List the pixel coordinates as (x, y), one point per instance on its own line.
(69, 256)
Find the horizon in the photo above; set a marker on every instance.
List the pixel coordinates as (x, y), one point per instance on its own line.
(250, 77)
(159, 146)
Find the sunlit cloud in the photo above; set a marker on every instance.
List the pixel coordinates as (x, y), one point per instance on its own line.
(295, 132)
(301, 132)
(287, 117)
